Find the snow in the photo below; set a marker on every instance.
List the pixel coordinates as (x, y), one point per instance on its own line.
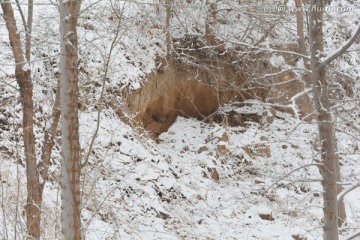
(277, 61)
(26, 67)
(134, 188)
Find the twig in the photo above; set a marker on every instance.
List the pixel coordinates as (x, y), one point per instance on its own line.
(270, 50)
(340, 50)
(284, 71)
(341, 195)
(107, 64)
(296, 169)
(21, 14)
(353, 236)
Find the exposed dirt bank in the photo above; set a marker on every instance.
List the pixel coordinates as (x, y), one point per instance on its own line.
(196, 85)
(181, 89)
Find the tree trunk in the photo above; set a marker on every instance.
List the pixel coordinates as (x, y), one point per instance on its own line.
(29, 30)
(70, 170)
(322, 105)
(168, 26)
(304, 102)
(300, 26)
(210, 23)
(49, 140)
(23, 77)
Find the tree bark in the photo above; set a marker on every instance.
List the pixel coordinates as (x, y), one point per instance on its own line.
(168, 26)
(23, 77)
(304, 102)
(69, 93)
(49, 141)
(322, 105)
(28, 28)
(300, 27)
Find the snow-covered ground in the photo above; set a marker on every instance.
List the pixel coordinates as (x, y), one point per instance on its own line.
(202, 180)
(244, 179)
(249, 172)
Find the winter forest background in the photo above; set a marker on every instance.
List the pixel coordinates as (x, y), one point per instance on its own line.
(180, 119)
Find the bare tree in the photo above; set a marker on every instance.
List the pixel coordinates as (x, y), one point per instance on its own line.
(69, 94)
(23, 77)
(36, 174)
(322, 105)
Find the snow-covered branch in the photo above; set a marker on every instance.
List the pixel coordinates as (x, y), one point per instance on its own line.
(340, 50)
(285, 71)
(32, 61)
(293, 101)
(346, 191)
(270, 50)
(255, 102)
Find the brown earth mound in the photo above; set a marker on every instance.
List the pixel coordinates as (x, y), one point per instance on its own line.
(182, 89)
(197, 81)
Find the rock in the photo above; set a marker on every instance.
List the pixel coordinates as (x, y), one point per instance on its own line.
(257, 181)
(257, 150)
(298, 237)
(270, 119)
(268, 217)
(202, 149)
(214, 174)
(224, 137)
(221, 148)
(267, 118)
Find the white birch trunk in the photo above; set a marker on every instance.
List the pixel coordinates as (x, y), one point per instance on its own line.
(70, 170)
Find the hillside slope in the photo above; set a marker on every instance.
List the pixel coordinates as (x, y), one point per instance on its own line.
(247, 171)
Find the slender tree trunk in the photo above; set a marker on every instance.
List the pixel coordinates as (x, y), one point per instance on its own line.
(304, 102)
(322, 105)
(300, 26)
(70, 170)
(210, 22)
(168, 26)
(29, 30)
(341, 205)
(49, 140)
(23, 77)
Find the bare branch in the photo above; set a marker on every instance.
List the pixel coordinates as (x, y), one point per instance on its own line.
(285, 71)
(353, 236)
(270, 50)
(346, 191)
(49, 138)
(340, 50)
(296, 169)
(21, 13)
(266, 34)
(295, 97)
(107, 65)
(33, 61)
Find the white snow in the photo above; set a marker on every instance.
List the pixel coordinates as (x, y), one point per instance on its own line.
(133, 188)
(26, 67)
